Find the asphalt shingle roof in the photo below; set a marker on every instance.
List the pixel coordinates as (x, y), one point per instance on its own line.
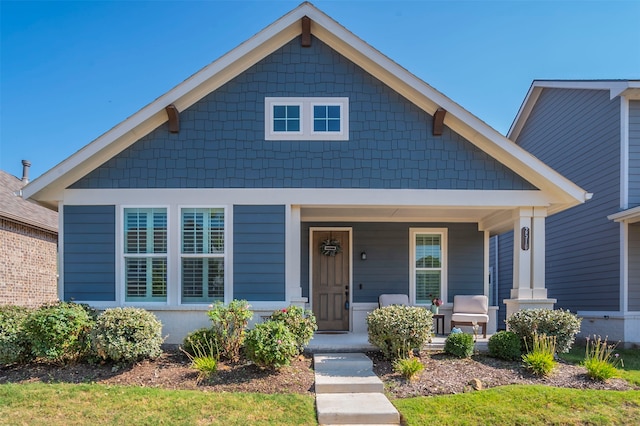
(14, 207)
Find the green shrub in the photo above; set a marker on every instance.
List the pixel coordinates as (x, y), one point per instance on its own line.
(459, 344)
(14, 346)
(202, 338)
(540, 359)
(271, 344)
(600, 361)
(408, 367)
(505, 345)
(562, 324)
(127, 335)
(229, 326)
(59, 331)
(397, 330)
(203, 353)
(301, 322)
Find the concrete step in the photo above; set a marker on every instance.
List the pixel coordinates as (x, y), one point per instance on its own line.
(341, 361)
(345, 373)
(356, 409)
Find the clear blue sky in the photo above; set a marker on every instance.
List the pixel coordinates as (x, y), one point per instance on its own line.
(71, 70)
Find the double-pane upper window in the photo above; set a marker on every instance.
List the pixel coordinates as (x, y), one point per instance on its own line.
(307, 119)
(145, 254)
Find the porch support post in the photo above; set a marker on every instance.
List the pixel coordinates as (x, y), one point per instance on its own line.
(529, 291)
(292, 257)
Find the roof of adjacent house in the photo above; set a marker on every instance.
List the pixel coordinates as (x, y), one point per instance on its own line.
(49, 187)
(15, 208)
(626, 88)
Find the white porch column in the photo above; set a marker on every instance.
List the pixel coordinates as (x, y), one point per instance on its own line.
(293, 291)
(529, 290)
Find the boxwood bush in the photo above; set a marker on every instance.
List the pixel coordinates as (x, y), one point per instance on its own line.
(397, 330)
(127, 335)
(301, 322)
(14, 346)
(505, 345)
(270, 344)
(559, 323)
(459, 344)
(59, 331)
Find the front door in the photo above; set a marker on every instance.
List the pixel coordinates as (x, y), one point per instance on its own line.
(330, 254)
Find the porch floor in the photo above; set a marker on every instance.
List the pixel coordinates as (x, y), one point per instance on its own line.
(359, 342)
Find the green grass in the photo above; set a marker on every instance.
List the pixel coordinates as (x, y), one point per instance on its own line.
(72, 404)
(524, 405)
(630, 357)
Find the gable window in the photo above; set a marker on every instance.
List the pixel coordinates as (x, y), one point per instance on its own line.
(202, 254)
(428, 264)
(145, 254)
(306, 119)
(286, 118)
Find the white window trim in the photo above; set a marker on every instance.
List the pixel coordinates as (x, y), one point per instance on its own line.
(181, 255)
(412, 263)
(121, 293)
(306, 132)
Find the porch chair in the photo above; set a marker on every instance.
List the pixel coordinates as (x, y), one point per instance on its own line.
(470, 309)
(392, 299)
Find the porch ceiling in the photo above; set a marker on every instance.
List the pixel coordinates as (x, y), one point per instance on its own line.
(479, 215)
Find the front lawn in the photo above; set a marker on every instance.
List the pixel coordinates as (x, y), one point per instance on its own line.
(82, 404)
(524, 405)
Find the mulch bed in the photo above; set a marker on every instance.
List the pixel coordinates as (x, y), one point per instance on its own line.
(442, 375)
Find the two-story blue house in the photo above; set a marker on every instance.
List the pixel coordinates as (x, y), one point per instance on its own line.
(302, 167)
(590, 132)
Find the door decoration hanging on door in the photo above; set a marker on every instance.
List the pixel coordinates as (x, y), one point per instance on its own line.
(330, 247)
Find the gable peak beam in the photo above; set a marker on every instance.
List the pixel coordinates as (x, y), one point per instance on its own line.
(438, 121)
(174, 118)
(306, 32)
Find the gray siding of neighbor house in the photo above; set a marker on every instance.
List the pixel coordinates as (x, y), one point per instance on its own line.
(634, 153)
(634, 267)
(503, 266)
(577, 132)
(89, 253)
(221, 143)
(259, 252)
(386, 269)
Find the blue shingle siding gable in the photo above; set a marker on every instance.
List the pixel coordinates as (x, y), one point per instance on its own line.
(89, 253)
(259, 252)
(577, 132)
(221, 143)
(634, 153)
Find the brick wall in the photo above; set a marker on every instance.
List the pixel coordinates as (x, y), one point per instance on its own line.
(28, 265)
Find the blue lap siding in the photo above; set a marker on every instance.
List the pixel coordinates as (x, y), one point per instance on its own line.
(259, 252)
(89, 253)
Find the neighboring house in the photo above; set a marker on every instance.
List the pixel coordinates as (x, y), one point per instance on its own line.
(590, 132)
(28, 246)
(302, 167)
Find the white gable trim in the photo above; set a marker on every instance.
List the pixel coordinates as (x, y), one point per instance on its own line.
(48, 188)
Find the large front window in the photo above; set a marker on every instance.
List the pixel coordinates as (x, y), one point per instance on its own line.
(428, 265)
(145, 254)
(202, 254)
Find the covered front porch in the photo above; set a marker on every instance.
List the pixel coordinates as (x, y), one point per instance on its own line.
(359, 342)
(424, 251)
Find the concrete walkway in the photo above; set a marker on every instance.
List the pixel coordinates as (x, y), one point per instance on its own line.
(349, 393)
